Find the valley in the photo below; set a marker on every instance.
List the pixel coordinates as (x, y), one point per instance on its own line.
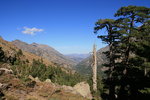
(29, 72)
(74, 50)
(43, 63)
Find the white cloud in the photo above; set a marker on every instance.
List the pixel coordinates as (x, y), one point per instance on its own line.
(31, 31)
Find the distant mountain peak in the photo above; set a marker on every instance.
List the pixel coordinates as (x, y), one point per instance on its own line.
(19, 41)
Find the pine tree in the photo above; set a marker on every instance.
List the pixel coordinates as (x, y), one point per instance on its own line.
(130, 18)
(128, 39)
(111, 38)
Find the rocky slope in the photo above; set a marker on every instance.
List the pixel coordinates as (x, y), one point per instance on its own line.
(85, 65)
(46, 52)
(12, 51)
(12, 88)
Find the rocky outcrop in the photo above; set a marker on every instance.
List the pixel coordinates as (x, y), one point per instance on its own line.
(3, 86)
(68, 89)
(11, 88)
(48, 81)
(5, 71)
(83, 89)
(34, 79)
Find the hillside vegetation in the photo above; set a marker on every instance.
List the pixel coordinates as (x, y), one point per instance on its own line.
(22, 65)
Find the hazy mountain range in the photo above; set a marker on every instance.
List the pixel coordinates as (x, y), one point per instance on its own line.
(77, 57)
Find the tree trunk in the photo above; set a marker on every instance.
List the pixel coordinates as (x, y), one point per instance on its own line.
(111, 91)
(111, 86)
(94, 67)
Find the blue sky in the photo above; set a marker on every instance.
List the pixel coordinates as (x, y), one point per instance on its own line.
(66, 25)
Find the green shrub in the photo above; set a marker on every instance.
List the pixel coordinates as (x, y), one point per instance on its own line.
(43, 72)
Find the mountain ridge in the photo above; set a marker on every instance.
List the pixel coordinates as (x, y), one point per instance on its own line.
(11, 51)
(46, 52)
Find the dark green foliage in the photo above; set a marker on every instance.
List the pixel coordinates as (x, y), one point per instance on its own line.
(19, 53)
(27, 60)
(43, 72)
(56, 74)
(133, 73)
(129, 40)
(1, 54)
(22, 70)
(83, 69)
(111, 38)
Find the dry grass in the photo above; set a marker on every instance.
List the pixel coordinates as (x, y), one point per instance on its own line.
(11, 49)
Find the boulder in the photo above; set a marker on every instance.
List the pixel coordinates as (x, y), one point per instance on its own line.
(5, 71)
(37, 79)
(83, 89)
(67, 88)
(34, 79)
(4, 86)
(48, 81)
(1, 85)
